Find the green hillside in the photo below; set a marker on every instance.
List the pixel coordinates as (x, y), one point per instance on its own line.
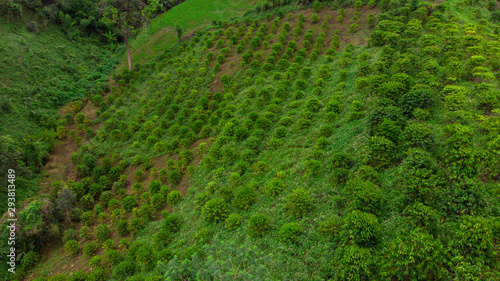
(343, 140)
(190, 15)
(41, 70)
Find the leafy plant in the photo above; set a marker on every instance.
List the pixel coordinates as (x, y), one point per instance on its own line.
(233, 221)
(299, 202)
(215, 210)
(72, 247)
(258, 225)
(290, 232)
(174, 197)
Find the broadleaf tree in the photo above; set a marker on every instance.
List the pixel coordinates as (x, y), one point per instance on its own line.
(127, 16)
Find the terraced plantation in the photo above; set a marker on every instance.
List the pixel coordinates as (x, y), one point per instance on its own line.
(335, 140)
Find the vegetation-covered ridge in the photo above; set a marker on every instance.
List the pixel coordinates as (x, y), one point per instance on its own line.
(41, 71)
(335, 142)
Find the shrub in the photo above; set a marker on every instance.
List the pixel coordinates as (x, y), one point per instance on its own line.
(215, 210)
(258, 224)
(203, 235)
(388, 129)
(144, 255)
(129, 202)
(274, 187)
(361, 228)
(233, 220)
(157, 201)
(154, 186)
(290, 232)
(68, 235)
(416, 99)
(124, 269)
(330, 227)
(87, 218)
(186, 155)
(102, 232)
(245, 196)
(303, 123)
(241, 133)
(312, 167)
(417, 135)
(353, 27)
(313, 104)
(300, 84)
(171, 222)
(139, 176)
(95, 261)
(174, 176)
(357, 5)
(174, 197)
(262, 123)
(135, 225)
(85, 233)
(314, 18)
(162, 238)
(317, 6)
(122, 227)
(365, 195)
(72, 247)
(89, 249)
(380, 152)
(298, 203)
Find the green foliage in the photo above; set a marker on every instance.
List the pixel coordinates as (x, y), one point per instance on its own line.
(174, 197)
(380, 152)
(416, 99)
(366, 195)
(299, 202)
(274, 187)
(245, 196)
(125, 269)
(353, 262)
(171, 222)
(215, 210)
(415, 254)
(174, 177)
(290, 232)
(330, 227)
(417, 135)
(353, 27)
(233, 221)
(122, 227)
(314, 18)
(129, 202)
(89, 249)
(360, 228)
(278, 118)
(69, 234)
(72, 247)
(258, 225)
(102, 232)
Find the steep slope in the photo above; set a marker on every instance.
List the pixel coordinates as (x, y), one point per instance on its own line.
(41, 71)
(319, 144)
(160, 35)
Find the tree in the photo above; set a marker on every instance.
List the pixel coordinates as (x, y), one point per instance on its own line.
(127, 16)
(179, 31)
(65, 200)
(168, 4)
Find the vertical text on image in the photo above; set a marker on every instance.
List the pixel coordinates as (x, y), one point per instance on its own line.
(11, 204)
